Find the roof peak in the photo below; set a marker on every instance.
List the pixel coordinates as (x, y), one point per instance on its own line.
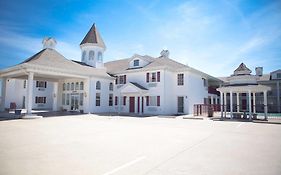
(242, 70)
(93, 37)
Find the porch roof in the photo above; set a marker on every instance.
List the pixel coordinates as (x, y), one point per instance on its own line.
(133, 88)
(50, 62)
(244, 88)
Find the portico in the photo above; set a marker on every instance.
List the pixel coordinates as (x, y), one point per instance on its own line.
(135, 95)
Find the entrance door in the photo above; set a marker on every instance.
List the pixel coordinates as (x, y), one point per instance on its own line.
(180, 105)
(132, 105)
(74, 102)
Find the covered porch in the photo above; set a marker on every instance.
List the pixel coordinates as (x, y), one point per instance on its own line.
(130, 99)
(31, 74)
(240, 110)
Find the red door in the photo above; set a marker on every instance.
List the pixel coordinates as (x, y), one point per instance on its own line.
(132, 104)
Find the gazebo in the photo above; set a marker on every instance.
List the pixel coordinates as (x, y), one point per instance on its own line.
(242, 82)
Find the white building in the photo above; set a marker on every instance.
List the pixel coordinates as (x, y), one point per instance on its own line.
(139, 85)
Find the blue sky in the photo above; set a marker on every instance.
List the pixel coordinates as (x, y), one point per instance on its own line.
(214, 36)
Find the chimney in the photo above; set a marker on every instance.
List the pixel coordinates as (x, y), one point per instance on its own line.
(49, 43)
(259, 71)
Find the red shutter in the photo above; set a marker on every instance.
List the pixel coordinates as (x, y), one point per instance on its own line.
(45, 84)
(147, 100)
(147, 77)
(158, 100)
(124, 79)
(124, 100)
(138, 104)
(158, 76)
(116, 100)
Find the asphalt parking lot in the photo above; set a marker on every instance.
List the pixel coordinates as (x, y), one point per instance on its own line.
(101, 145)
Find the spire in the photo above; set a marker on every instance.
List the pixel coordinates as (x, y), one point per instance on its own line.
(93, 37)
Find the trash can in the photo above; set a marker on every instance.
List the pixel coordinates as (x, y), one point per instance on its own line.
(18, 112)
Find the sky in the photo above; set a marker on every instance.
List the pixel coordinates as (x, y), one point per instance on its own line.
(214, 36)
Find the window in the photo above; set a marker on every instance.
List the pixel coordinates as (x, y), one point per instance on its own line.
(153, 77)
(63, 99)
(81, 99)
(64, 87)
(76, 86)
(24, 84)
(204, 82)
(72, 86)
(180, 79)
(81, 85)
(121, 79)
(111, 86)
(41, 100)
(83, 55)
(136, 62)
(67, 99)
(110, 100)
(68, 86)
(98, 85)
(152, 100)
(41, 84)
(278, 75)
(99, 56)
(97, 99)
(91, 55)
(124, 100)
(116, 100)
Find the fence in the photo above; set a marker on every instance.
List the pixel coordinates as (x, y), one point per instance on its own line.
(204, 109)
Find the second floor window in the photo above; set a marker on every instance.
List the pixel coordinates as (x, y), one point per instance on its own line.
(204, 82)
(98, 85)
(153, 77)
(41, 84)
(111, 86)
(180, 79)
(121, 79)
(24, 84)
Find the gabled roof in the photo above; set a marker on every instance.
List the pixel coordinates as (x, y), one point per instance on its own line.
(93, 37)
(242, 69)
(123, 64)
(139, 86)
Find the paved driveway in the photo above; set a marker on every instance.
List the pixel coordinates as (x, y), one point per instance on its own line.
(95, 145)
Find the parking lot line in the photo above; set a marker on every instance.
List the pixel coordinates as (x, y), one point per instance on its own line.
(125, 165)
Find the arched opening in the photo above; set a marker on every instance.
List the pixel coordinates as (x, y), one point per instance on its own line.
(98, 85)
(91, 55)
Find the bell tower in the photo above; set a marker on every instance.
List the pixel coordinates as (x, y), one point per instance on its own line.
(92, 48)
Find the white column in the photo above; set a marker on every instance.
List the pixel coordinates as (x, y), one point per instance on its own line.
(119, 103)
(87, 96)
(265, 104)
(250, 105)
(212, 100)
(254, 102)
(221, 103)
(278, 96)
(225, 104)
(3, 94)
(29, 92)
(231, 104)
(141, 104)
(55, 96)
(237, 101)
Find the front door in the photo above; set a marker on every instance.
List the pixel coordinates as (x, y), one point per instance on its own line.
(180, 105)
(74, 103)
(132, 105)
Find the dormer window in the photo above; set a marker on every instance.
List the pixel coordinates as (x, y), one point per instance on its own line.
(136, 63)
